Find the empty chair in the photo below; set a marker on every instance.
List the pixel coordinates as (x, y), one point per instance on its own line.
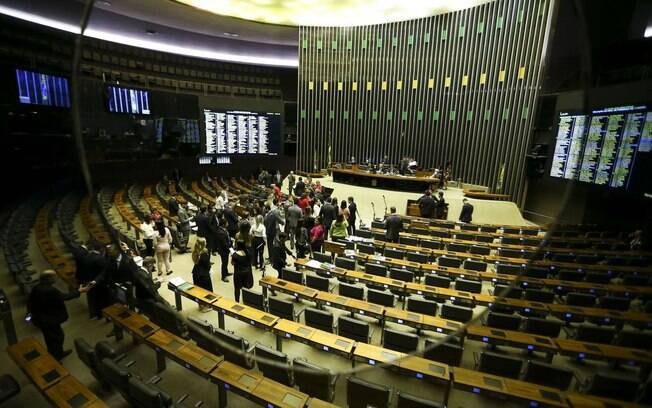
(319, 319)
(431, 244)
(458, 313)
(530, 242)
(115, 375)
(394, 253)
(377, 224)
(380, 297)
(236, 348)
(598, 277)
(449, 262)
(201, 332)
(509, 269)
(614, 387)
(580, 299)
(533, 272)
(484, 238)
(489, 229)
(405, 400)
(379, 236)
(366, 249)
(508, 291)
(440, 234)
(464, 237)
(453, 247)
(595, 334)
(616, 261)
(401, 274)
(321, 257)
(253, 299)
(512, 231)
(510, 253)
(353, 329)
(169, 319)
(292, 276)
(375, 269)
(499, 364)
(351, 291)
(318, 282)
(469, 227)
(503, 321)
(588, 259)
(468, 285)
(528, 231)
(273, 364)
(543, 327)
(281, 308)
(400, 341)
(146, 395)
(316, 381)
(537, 295)
(574, 276)
(346, 263)
(438, 281)
(449, 352)
(363, 233)
(511, 240)
(636, 280)
(563, 257)
(548, 375)
(422, 306)
(635, 339)
(614, 303)
(473, 265)
(418, 257)
(408, 240)
(480, 250)
(86, 354)
(363, 394)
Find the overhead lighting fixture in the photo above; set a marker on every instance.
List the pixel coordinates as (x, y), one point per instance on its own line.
(231, 34)
(648, 32)
(150, 44)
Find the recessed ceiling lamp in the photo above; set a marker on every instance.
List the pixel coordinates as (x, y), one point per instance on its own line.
(231, 34)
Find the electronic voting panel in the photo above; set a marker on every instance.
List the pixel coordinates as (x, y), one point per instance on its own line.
(242, 132)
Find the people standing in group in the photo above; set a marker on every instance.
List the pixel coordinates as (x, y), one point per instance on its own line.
(466, 215)
(344, 210)
(441, 206)
(148, 231)
(163, 240)
(201, 271)
(427, 205)
(47, 308)
(294, 214)
(272, 221)
(393, 226)
(339, 229)
(353, 215)
(89, 263)
(280, 252)
(302, 239)
(291, 181)
(304, 202)
(242, 274)
(328, 213)
(317, 235)
(259, 236)
(223, 245)
(308, 218)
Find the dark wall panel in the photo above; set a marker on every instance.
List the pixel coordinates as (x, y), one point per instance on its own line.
(460, 86)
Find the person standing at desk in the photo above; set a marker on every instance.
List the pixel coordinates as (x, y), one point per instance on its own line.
(393, 226)
(353, 214)
(466, 215)
(242, 274)
(327, 213)
(427, 205)
(299, 188)
(48, 310)
(291, 181)
(441, 206)
(201, 271)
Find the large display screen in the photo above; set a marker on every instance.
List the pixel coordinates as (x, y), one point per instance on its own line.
(127, 100)
(242, 132)
(36, 88)
(602, 147)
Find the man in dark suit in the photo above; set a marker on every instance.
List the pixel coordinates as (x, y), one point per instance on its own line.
(328, 213)
(89, 263)
(427, 205)
(299, 187)
(393, 226)
(353, 215)
(201, 220)
(466, 215)
(231, 220)
(272, 222)
(48, 310)
(441, 207)
(173, 206)
(224, 245)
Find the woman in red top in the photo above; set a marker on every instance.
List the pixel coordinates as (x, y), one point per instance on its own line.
(317, 235)
(304, 202)
(277, 191)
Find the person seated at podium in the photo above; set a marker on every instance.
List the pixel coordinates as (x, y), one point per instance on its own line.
(466, 215)
(427, 205)
(352, 161)
(403, 166)
(393, 226)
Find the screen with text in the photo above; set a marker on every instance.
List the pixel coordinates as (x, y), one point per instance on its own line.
(242, 132)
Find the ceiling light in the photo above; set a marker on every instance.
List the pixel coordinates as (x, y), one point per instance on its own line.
(231, 34)
(648, 32)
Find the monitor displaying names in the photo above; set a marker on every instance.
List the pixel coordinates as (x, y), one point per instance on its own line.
(601, 148)
(242, 132)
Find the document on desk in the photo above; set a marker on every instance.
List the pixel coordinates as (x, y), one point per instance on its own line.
(177, 281)
(313, 264)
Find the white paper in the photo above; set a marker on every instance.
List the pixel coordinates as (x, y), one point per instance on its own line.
(177, 281)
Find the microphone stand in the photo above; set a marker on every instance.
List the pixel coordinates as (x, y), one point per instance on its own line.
(373, 207)
(385, 201)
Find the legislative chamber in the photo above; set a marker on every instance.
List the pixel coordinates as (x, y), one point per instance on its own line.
(300, 204)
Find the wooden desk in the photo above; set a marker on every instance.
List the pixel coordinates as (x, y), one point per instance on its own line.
(70, 393)
(317, 403)
(596, 351)
(183, 352)
(407, 183)
(45, 371)
(588, 401)
(376, 355)
(321, 267)
(529, 393)
(275, 394)
(192, 292)
(518, 339)
(232, 377)
(26, 351)
(291, 288)
(123, 318)
(566, 312)
(244, 313)
(385, 283)
(334, 247)
(313, 337)
(423, 368)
